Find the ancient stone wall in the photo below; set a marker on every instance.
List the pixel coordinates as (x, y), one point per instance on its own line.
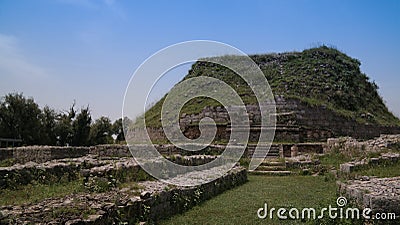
(384, 159)
(110, 151)
(320, 123)
(165, 204)
(296, 122)
(379, 194)
(303, 148)
(155, 201)
(41, 154)
(88, 166)
(346, 144)
(47, 173)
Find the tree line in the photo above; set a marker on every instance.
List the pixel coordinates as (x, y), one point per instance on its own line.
(22, 118)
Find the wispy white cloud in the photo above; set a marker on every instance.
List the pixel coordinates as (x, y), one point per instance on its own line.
(13, 63)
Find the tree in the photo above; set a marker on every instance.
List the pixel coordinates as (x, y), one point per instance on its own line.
(101, 131)
(20, 118)
(64, 129)
(81, 128)
(48, 134)
(118, 130)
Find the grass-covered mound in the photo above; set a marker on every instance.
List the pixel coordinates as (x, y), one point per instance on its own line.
(317, 76)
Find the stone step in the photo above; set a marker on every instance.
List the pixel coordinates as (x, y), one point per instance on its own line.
(272, 150)
(272, 157)
(269, 157)
(271, 173)
(271, 168)
(272, 163)
(273, 153)
(261, 155)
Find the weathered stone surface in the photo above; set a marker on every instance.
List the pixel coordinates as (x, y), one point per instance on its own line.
(161, 201)
(48, 172)
(346, 144)
(379, 194)
(41, 154)
(296, 122)
(87, 166)
(347, 167)
(301, 162)
(385, 158)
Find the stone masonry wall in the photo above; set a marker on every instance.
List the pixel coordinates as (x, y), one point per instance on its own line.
(379, 194)
(88, 167)
(155, 201)
(296, 122)
(41, 154)
(331, 124)
(346, 144)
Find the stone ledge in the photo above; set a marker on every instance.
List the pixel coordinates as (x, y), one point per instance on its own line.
(157, 201)
(373, 145)
(91, 165)
(41, 154)
(357, 165)
(379, 194)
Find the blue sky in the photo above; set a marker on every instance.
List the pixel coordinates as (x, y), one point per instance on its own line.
(60, 50)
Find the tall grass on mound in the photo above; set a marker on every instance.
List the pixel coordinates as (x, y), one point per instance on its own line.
(321, 76)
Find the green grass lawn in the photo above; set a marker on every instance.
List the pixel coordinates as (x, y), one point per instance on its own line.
(334, 159)
(240, 205)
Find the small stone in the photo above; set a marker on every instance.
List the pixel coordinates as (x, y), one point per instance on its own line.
(365, 178)
(67, 202)
(93, 218)
(85, 172)
(2, 215)
(346, 167)
(73, 222)
(109, 206)
(145, 195)
(100, 212)
(374, 160)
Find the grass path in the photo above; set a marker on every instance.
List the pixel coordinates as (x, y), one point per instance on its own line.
(240, 205)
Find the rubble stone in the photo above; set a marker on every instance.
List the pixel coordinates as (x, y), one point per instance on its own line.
(379, 194)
